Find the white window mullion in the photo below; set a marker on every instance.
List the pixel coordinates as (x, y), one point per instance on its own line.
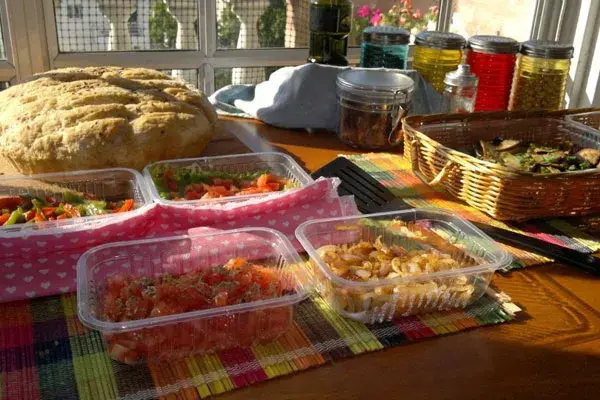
(445, 15)
(7, 67)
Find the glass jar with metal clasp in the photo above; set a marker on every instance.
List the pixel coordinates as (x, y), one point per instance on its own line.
(372, 103)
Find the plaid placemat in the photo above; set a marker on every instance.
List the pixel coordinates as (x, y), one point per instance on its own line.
(394, 172)
(45, 352)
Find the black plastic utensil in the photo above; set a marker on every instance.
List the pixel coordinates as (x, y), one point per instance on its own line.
(372, 197)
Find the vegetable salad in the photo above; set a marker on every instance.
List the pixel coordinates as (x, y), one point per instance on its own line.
(192, 183)
(25, 209)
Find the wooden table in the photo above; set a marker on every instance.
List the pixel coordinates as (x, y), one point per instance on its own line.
(551, 352)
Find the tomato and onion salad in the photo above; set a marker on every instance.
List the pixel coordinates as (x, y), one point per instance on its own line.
(190, 183)
(25, 209)
(129, 298)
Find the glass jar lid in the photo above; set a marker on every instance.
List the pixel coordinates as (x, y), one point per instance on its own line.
(375, 86)
(440, 40)
(494, 44)
(461, 77)
(387, 35)
(547, 49)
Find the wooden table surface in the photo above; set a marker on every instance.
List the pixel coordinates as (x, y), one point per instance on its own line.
(551, 352)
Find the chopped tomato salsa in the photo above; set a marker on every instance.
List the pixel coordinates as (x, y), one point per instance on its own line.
(132, 298)
(186, 184)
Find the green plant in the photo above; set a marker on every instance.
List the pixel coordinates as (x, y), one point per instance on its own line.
(271, 25)
(163, 27)
(228, 28)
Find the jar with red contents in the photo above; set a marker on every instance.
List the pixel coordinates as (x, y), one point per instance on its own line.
(492, 60)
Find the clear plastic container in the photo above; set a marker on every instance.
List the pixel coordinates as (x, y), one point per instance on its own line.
(590, 119)
(112, 184)
(381, 299)
(194, 332)
(277, 163)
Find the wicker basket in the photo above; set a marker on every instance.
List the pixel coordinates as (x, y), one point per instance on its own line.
(591, 119)
(432, 144)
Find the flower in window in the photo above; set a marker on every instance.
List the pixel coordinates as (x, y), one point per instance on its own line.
(363, 12)
(418, 14)
(376, 18)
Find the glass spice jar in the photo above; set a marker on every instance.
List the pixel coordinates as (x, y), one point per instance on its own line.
(460, 90)
(436, 54)
(492, 60)
(384, 47)
(372, 104)
(540, 80)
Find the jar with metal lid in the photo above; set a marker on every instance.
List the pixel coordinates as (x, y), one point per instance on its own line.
(460, 90)
(492, 60)
(540, 80)
(436, 54)
(384, 47)
(372, 104)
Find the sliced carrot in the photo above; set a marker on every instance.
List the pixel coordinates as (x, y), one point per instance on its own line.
(39, 217)
(127, 206)
(218, 189)
(62, 216)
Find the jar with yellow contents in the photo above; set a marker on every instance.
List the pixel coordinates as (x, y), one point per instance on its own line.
(436, 54)
(540, 80)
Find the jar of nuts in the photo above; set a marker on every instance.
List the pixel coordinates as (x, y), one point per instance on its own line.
(372, 104)
(540, 80)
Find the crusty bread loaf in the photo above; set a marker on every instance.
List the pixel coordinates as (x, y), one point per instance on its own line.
(101, 117)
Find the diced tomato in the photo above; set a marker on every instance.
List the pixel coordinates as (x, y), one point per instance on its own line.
(48, 211)
(51, 200)
(62, 216)
(10, 203)
(171, 182)
(29, 215)
(274, 186)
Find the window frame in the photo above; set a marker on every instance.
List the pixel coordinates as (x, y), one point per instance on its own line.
(25, 56)
(7, 67)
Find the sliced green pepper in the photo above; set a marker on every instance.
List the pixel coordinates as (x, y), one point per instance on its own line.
(15, 217)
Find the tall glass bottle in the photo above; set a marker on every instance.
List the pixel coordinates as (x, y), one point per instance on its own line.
(330, 22)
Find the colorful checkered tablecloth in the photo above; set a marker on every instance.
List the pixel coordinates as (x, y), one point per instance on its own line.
(45, 352)
(394, 172)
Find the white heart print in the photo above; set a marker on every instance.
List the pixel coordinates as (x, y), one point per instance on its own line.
(28, 279)
(64, 289)
(61, 274)
(11, 289)
(44, 271)
(30, 294)
(9, 276)
(42, 260)
(7, 245)
(45, 285)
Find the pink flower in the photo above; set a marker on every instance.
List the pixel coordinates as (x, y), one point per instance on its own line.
(402, 21)
(376, 19)
(406, 3)
(377, 11)
(363, 12)
(418, 14)
(434, 9)
(404, 11)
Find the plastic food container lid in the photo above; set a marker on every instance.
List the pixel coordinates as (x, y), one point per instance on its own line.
(387, 35)
(377, 86)
(494, 44)
(440, 40)
(547, 49)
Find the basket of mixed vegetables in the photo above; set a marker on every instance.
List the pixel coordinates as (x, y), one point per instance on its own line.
(512, 165)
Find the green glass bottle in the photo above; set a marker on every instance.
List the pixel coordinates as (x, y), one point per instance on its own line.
(330, 22)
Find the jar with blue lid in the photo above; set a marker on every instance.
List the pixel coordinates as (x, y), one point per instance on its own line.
(384, 47)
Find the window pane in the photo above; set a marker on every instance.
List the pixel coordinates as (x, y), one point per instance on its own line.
(253, 24)
(122, 25)
(477, 17)
(2, 54)
(412, 15)
(242, 75)
(3, 85)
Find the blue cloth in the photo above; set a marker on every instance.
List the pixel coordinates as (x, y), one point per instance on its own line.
(305, 97)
